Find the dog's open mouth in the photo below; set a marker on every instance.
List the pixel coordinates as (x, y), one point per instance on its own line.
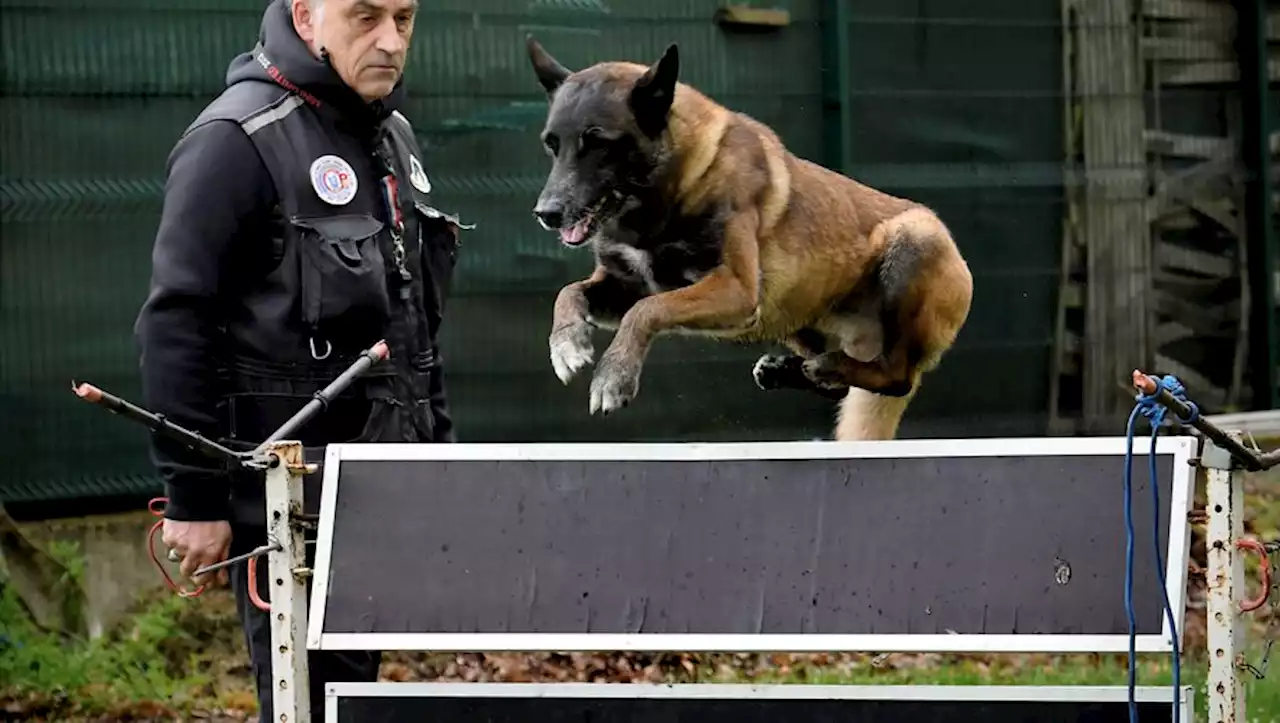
(579, 231)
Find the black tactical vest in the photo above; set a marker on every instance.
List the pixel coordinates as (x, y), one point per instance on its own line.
(359, 255)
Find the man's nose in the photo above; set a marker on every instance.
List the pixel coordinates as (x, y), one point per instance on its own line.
(551, 217)
(389, 40)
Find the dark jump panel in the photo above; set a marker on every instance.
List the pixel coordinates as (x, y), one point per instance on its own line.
(517, 703)
(939, 546)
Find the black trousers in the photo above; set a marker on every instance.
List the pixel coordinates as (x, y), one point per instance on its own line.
(336, 666)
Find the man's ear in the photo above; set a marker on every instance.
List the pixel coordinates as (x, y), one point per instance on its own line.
(549, 71)
(653, 92)
(304, 21)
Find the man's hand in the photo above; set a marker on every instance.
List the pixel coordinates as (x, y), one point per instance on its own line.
(198, 544)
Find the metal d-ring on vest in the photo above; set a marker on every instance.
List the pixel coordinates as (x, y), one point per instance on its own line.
(328, 349)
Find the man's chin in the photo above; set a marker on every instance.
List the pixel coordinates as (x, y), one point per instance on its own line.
(372, 90)
(377, 75)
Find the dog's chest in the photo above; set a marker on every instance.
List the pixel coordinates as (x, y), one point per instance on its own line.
(662, 263)
(630, 263)
(655, 270)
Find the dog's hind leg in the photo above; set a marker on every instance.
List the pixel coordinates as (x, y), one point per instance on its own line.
(926, 290)
(876, 393)
(786, 371)
(865, 416)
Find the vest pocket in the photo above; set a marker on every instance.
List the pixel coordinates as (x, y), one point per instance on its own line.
(343, 276)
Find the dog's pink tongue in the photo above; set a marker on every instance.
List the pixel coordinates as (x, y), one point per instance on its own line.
(574, 234)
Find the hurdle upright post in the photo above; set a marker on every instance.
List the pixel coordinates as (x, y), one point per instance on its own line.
(1225, 458)
(285, 467)
(1224, 492)
(291, 697)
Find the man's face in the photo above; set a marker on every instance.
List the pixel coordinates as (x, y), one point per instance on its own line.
(367, 40)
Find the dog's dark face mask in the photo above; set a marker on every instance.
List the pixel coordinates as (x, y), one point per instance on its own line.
(605, 134)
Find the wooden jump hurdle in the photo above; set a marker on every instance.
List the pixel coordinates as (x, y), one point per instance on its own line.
(1005, 545)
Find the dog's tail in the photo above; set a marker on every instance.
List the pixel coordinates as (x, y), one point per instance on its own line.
(866, 415)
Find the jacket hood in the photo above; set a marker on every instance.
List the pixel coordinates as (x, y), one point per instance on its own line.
(282, 58)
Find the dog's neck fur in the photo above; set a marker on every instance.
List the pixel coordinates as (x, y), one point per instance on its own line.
(696, 128)
(695, 131)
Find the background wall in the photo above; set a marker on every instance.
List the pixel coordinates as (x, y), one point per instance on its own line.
(963, 105)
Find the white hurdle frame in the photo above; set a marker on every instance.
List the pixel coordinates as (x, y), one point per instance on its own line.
(294, 632)
(1176, 565)
(722, 691)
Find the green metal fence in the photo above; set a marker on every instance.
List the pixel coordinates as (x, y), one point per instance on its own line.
(957, 104)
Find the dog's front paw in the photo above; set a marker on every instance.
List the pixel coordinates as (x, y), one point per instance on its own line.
(571, 350)
(777, 371)
(825, 372)
(615, 383)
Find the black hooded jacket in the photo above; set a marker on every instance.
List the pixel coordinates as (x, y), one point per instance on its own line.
(262, 290)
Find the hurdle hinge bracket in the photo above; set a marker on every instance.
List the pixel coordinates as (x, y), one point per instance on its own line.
(1214, 457)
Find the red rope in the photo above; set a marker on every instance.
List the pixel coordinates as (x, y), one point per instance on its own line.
(1264, 569)
(151, 549)
(254, 597)
(253, 587)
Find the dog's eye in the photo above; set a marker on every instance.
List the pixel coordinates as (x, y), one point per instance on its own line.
(593, 138)
(552, 143)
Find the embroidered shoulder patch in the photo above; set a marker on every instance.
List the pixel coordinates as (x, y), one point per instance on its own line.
(334, 180)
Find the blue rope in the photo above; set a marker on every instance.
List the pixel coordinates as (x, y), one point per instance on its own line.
(1149, 407)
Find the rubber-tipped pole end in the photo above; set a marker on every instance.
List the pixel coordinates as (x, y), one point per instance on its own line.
(380, 350)
(1143, 383)
(86, 391)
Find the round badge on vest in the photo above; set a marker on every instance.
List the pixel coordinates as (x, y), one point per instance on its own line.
(417, 176)
(334, 180)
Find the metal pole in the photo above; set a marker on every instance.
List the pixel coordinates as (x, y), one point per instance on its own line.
(154, 422)
(288, 585)
(371, 356)
(158, 424)
(837, 85)
(1264, 339)
(1225, 575)
(1249, 459)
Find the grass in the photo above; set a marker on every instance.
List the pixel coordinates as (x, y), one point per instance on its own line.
(1262, 696)
(170, 657)
(178, 659)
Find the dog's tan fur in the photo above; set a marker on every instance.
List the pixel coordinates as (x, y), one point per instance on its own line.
(799, 241)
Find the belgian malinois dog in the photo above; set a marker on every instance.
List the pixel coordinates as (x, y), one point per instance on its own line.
(702, 222)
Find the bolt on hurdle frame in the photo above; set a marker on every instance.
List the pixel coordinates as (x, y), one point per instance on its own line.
(1222, 455)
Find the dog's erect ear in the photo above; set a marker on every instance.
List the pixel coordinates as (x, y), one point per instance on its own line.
(550, 72)
(652, 95)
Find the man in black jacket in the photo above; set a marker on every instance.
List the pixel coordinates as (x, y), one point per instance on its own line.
(297, 231)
